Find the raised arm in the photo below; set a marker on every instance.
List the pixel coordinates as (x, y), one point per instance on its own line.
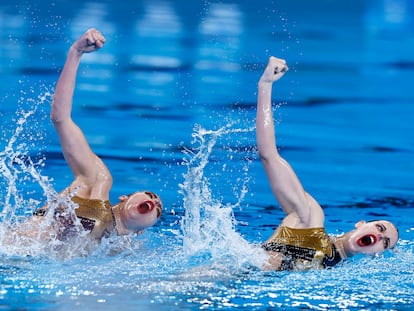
(301, 209)
(91, 175)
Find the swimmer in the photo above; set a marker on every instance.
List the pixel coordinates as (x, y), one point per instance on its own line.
(92, 179)
(300, 241)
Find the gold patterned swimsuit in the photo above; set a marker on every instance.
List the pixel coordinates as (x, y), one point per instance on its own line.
(303, 248)
(94, 215)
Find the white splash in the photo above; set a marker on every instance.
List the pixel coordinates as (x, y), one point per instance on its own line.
(20, 234)
(208, 225)
(16, 166)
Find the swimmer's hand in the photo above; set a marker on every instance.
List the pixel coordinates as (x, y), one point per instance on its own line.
(275, 69)
(90, 41)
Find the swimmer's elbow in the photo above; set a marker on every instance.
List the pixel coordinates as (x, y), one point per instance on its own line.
(54, 111)
(54, 117)
(266, 155)
(58, 113)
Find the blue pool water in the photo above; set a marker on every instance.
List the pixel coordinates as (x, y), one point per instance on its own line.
(169, 104)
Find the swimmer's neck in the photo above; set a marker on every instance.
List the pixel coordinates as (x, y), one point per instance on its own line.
(340, 243)
(119, 226)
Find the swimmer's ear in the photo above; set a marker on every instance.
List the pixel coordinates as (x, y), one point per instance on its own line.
(122, 198)
(360, 223)
(140, 232)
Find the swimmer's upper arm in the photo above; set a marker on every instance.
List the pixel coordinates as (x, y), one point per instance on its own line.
(301, 209)
(76, 150)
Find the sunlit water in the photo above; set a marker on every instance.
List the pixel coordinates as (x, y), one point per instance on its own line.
(177, 117)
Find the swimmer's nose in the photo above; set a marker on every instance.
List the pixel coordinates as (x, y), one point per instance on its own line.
(145, 207)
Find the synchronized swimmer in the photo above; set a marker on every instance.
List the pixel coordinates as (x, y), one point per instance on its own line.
(300, 241)
(92, 181)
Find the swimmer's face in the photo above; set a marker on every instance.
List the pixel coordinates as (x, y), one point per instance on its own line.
(140, 210)
(373, 237)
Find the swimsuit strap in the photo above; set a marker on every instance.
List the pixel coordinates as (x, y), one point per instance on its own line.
(330, 261)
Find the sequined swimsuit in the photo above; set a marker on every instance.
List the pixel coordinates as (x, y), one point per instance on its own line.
(303, 248)
(94, 215)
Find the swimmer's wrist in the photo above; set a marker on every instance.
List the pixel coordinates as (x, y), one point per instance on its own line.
(265, 82)
(76, 50)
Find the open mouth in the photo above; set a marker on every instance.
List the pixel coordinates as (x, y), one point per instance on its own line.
(367, 240)
(145, 207)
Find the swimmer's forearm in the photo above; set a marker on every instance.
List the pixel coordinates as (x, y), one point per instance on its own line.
(90, 41)
(265, 131)
(62, 99)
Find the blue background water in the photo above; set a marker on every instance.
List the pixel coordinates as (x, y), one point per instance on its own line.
(344, 123)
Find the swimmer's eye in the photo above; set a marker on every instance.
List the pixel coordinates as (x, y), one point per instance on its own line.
(386, 243)
(152, 195)
(380, 227)
(158, 206)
